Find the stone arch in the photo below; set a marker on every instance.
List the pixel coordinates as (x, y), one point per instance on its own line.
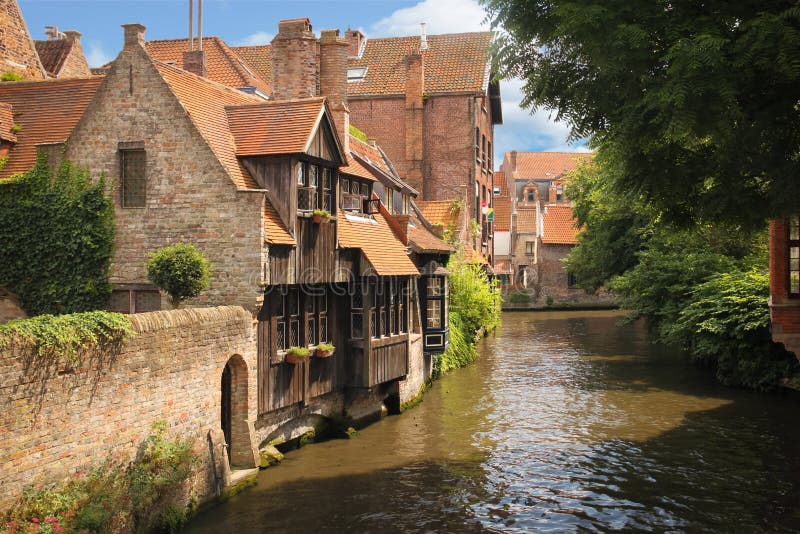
(234, 413)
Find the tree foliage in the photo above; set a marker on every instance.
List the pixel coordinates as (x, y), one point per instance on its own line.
(696, 102)
(56, 239)
(181, 270)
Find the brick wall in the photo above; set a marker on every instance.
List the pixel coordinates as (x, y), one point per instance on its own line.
(75, 66)
(784, 312)
(190, 198)
(17, 53)
(294, 60)
(57, 420)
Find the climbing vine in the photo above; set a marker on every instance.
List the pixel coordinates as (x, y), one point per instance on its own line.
(56, 237)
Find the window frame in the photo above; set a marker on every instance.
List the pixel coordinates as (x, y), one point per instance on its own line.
(792, 244)
(123, 178)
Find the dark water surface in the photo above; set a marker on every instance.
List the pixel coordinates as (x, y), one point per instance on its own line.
(566, 423)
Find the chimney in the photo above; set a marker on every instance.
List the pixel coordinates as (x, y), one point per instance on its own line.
(294, 60)
(134, 35)
(72, 35)
(415, 89)
(354, 41)
(513, 161)
(423, 39)
(333, 82)
(194, 61)
(51, 32)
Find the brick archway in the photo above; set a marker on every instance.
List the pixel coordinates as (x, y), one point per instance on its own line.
(234, 411)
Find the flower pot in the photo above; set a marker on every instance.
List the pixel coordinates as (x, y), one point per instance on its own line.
(316, 219)
(324, 353)
(293, 358)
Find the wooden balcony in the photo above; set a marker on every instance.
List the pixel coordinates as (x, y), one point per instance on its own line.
(378, 360)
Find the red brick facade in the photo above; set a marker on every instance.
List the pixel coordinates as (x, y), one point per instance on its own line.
(784, 311)
(17, 52)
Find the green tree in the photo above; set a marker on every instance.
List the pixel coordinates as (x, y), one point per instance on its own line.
(696, 102)
(56, 239)
(181, 270)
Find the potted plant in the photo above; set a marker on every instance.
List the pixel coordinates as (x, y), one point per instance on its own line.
(325, 350)
(321, 216)
(296, 355)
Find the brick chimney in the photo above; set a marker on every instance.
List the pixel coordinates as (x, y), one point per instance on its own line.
(294, 60)
(194, 61)
(333, 82)
(354, 41)
(415, 90)
(513, 161)
(134, 35)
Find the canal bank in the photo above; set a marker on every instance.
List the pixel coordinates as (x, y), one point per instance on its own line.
(566, 422)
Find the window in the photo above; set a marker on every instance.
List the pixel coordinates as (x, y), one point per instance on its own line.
(390, 200)
(559, 193)
(388, 313)
(135, 300)
(405, 205)
(316, 306)
(435, 302)
(483, 152)
(794, 256)
(133, 178)
(490, 156)
(531, 195)
(307, 185)
(399, 203)
(356, 311)
(530, 248)
(572, 281)
(301, 173)
(355, 199)
(327, 190)
(496, 190)
(477, 146)
(356, 74)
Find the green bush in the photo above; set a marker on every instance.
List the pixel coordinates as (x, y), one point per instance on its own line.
(474, 297)
(181, 270)
(57, 235)
(10, 76)
(460, 351)
(519, 297)
(138, 498)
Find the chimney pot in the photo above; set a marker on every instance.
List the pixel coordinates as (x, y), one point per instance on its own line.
(134, 34)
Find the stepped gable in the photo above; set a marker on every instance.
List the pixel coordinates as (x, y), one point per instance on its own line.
(558, 225)
(224, 64)
(205, 101)
(46, 112)
(454, 62)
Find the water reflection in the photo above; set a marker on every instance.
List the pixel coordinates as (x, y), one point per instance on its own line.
(567, 423)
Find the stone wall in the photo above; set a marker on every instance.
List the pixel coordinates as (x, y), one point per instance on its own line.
(57, 420)
(420, 370)
(75, 66)
(190, 197)
(17, 52)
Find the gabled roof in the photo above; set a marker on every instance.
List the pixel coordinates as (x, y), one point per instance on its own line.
(274, 230)
(547, 165)
(354, 167)
(380, 245)
(422, 241)
(275, 127)
(205, 101)
(258, 58)
(223, 64)
(6, 122)
(558, 225)
(53, 53)
(47, 111)
(454, 62)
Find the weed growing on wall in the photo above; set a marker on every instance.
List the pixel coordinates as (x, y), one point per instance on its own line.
(64, 336)
(474, 306)
(56, 238)
(140, 497)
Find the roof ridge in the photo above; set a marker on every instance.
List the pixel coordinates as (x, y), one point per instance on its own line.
(202, 79)
(428, 36)
(238, 65)
(181, 39)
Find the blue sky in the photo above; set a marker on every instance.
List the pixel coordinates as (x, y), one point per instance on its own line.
(241, 22)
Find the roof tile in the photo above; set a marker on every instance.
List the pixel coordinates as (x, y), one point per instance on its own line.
(375, 238)
(53, 53)
(558, 225)
(526, 219)
(438, 211)
(547, 165)
(6, 122)
(274, 230)
(46, 111)
(224, 64)
(276, 127)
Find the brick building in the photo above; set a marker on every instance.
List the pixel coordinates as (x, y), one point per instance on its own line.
(17, 51)
(784, 281)
(62, 54)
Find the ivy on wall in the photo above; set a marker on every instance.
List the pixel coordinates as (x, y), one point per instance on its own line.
(56, 239)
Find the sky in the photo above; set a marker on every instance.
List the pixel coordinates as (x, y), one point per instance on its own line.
(242, 22)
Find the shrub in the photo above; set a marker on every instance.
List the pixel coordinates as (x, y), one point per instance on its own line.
(300, 352)
(181, 270)
(57, 235)
(460, 351)
(473, 296)
(10, 76)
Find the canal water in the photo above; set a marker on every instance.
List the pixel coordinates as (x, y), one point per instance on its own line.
(568, 422)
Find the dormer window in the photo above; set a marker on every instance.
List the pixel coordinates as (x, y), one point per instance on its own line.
(357, 197)
(530, 195)
(314, 187)
(356, 74)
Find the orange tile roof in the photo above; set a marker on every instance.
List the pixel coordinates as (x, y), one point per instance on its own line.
(223, 64)
(381, 247)
(47, 111)
(502, 213)
(53, 53)
(276, 127)
(369, 153)
(558, 225)
(526, 220)
(500, 181)
(437, 211)
(547, 165)
(453, 62)
(355, 168)
(259, 58)
(274, 230)
(6, 122)
(205, 101)
(422, 240)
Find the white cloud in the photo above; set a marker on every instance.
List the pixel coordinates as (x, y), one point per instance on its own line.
(442, 16)
(258, 38)
(96, 55)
